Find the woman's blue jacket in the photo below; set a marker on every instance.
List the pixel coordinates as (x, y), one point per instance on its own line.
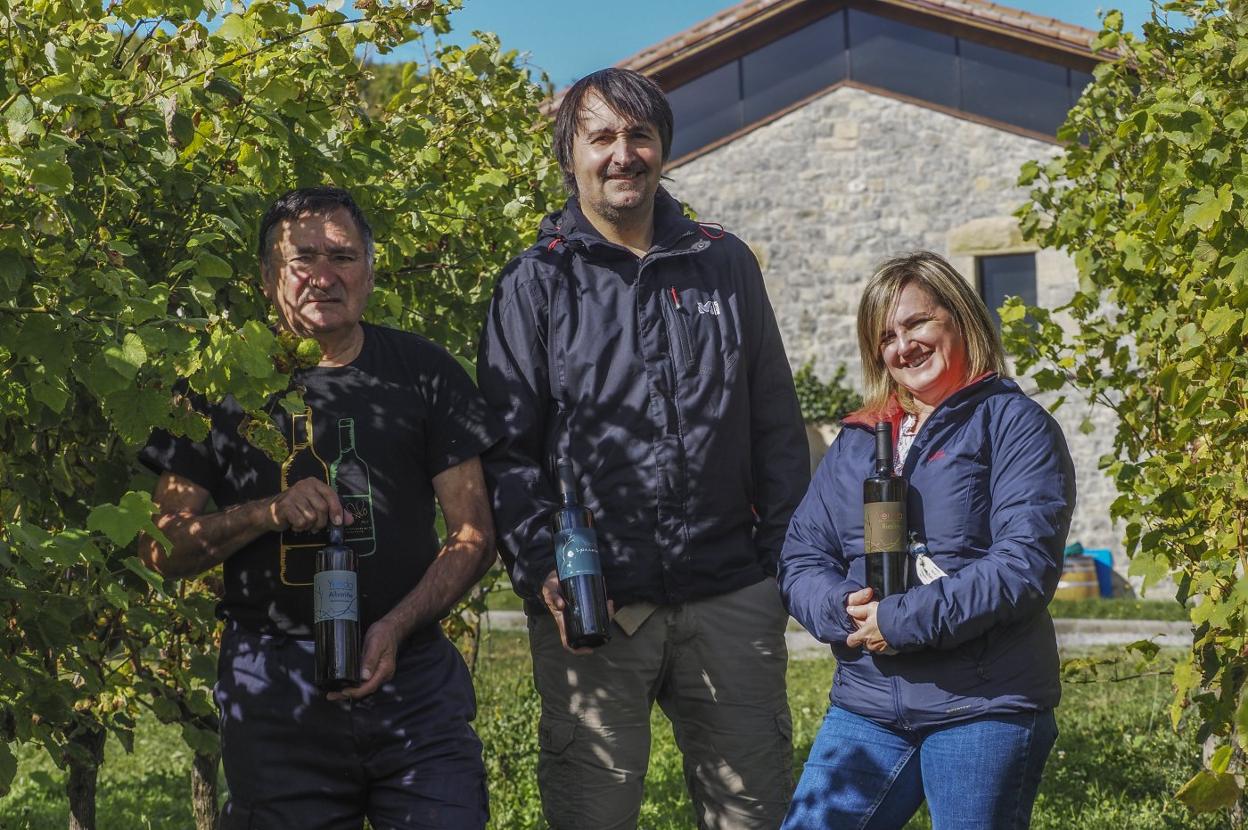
(991, 492)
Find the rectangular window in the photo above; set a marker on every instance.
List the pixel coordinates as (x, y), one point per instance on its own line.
(797, 65)
(904, 59)
(707, 108)
(1014, 88)
(1010, 275)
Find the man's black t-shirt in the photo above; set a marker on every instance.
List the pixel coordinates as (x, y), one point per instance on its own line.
(380, 429)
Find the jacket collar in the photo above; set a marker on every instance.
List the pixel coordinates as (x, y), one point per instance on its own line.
(571, 225)
(893, 413)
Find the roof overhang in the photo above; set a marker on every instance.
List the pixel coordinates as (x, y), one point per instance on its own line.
(753, 23)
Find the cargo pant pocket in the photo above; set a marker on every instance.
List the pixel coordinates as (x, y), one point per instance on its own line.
(557, 775)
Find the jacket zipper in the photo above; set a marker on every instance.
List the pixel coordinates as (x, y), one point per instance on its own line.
(680, 324)
(677, 312)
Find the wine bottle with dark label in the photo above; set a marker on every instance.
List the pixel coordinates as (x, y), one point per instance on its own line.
(336, 614)
(884, 519)
(579, 567)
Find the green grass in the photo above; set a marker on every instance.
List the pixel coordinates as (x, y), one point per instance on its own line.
(148, 789)
(1114, 766)
(502, 598)
(1119, 609)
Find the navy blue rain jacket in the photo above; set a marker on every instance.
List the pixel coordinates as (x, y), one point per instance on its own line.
(991, 491)
(665, 382)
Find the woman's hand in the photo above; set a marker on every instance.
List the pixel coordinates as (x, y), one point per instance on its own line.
(860, 607)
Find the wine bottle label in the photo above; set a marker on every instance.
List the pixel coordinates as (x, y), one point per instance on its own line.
(361, 509)
(576, 552)
(884, 526)
(335, 596)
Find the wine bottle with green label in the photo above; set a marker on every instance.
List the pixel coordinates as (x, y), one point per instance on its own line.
(884, 519)
(579, 567)
(336, 614)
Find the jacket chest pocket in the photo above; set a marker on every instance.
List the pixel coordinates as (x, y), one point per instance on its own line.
(951, 488)
(702, 331)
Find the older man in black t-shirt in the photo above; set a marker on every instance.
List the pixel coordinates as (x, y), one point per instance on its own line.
(390, 422)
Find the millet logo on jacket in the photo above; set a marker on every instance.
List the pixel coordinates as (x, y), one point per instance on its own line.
(709, 307)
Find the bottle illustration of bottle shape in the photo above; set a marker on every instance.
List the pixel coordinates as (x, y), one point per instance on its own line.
(299, 547)
(348, 475)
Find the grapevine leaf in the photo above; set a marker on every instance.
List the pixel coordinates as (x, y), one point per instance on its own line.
(1209, 791)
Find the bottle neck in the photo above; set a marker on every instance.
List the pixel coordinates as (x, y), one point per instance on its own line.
(302, 431)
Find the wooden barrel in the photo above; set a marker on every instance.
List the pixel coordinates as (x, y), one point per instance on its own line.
(1078, 579)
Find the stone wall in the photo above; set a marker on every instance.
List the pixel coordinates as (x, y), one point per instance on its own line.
(827, 192)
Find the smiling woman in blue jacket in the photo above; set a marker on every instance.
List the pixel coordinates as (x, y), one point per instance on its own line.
(946, 691)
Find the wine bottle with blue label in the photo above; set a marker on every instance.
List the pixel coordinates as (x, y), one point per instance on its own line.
(336, 614)
(579, 567)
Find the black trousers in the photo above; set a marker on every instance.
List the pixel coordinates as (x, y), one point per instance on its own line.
(405, 757)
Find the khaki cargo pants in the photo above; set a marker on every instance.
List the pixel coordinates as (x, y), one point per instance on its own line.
(717, 669)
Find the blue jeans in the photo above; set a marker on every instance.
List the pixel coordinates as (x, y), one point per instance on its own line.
(976, 774)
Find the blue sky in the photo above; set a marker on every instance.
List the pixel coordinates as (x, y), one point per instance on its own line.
(570, 38)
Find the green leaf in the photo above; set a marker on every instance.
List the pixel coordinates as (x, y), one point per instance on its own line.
(54, 86)
(126, 359)
(220, 86)
(492, 178)
(19, 118)
(116, 595)
(1207, 207)
(208, 264)
(12, 269)
(1013, 311)
(181, 129)
(279, 90)
(201, 741)
(236, 27)
(1220, 320)
(1146, 648)
(51, 390)
(1151, 566)
(1048, 380)
(1220, 759)
(128, 518)
(51, 176)
(1209, 791)
(149, 576)
(166, 710)
(1239, 273)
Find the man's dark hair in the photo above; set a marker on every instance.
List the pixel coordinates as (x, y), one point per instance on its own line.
(628, 93)
(311, 201)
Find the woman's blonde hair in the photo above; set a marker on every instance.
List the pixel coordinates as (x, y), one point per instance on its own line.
(949, 289)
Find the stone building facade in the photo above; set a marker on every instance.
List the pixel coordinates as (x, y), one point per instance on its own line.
(828, 191)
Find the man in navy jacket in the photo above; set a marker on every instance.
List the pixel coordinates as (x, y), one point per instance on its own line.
(641, 345)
